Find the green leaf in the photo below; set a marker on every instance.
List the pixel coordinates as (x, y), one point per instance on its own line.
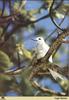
(5, 77)
(23, 51)
(59, 15)
(23, 12)
(4, 61)
(23, 3)
(47, 3)
(16, 5)
(32, 18)
(19, 5)
(32, 12)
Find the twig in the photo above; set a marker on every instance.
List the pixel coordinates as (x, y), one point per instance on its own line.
(60, 3)
(50, 12)
(22, 4)
(46, 90)
(3, 7)
(12, 72)
(10, 6)
(43, 73)
(37, 92)
(4, 30)
(7, 18)
(9, 35)
(65, 41)
(18, 60)
(46, 16)
(56, 28)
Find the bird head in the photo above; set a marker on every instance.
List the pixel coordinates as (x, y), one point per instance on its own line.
(39, 40)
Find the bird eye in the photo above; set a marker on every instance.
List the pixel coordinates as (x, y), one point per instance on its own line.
(39, 38)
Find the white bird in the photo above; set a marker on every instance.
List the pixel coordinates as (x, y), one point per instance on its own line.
(41, 48)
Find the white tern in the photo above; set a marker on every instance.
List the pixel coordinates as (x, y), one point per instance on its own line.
(41, 48)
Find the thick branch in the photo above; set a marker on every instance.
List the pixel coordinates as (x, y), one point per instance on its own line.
(56, 44)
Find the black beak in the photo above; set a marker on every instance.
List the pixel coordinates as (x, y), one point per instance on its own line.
(33, 39)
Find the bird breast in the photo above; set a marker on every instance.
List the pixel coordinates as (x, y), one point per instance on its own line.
(41, 51)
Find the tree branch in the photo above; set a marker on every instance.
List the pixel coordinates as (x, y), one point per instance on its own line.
(56, 44)
(12, 72)
(51, 12)
(65, 41)
(7, 18)
(10, 6)
(46, 90)
(3, 8)
(56, 28)
(44, 64)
